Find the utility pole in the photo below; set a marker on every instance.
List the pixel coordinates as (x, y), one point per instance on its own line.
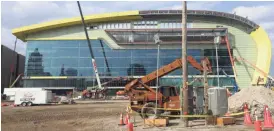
(184, 62)
(205, 89)
(157, 42)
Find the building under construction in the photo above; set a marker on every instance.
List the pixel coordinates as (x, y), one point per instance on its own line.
(12, 66)
(57, 52)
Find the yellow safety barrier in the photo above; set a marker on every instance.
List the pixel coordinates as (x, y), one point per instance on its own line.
(178, 116)
(189, 116)
(170, 109)
(236, 114)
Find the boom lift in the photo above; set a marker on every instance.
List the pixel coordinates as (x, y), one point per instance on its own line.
(143, 101)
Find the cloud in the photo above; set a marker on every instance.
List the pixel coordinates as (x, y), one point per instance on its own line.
(267, 25)
(255, 13)
(271, 36)
(17, 14)
(8, 40)
(264, 16)
(197, 6)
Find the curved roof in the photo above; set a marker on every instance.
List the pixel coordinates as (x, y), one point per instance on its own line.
(22, 32)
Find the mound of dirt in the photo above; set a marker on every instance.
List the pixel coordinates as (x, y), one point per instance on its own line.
(256, 97)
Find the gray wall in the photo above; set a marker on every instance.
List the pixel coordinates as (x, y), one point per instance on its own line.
(7, 58)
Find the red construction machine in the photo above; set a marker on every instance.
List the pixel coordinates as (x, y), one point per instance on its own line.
(143, 98)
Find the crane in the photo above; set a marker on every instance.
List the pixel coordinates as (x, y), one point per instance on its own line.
(90, 49)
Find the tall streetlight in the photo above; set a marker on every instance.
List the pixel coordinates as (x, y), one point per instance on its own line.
(157, 42)
(217, 42)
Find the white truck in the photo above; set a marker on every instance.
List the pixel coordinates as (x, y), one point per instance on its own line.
(32, 97)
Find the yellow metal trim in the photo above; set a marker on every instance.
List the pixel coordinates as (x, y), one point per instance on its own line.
(48, 77)
(62, 38)
(22, 31)
(263, 44)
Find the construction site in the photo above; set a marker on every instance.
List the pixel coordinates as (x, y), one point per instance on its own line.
(143, 70)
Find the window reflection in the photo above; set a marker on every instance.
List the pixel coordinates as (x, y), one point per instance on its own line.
(35, 65)
(140, 25)
(42, 59)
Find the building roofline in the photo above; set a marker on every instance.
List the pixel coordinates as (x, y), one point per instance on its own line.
(22, 32)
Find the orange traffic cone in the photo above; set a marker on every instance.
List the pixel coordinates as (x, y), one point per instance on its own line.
(129, 126)
(126, 120)
(121, 120)
(258, 125)
(128, 116)
(267, 118)
(247, 118)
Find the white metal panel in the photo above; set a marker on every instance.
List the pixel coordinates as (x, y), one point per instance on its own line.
(10, 92)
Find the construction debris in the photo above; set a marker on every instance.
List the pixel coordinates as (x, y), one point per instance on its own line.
(66, 100)
(256, 97)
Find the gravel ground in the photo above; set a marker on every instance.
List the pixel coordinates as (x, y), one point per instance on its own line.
(96, 116)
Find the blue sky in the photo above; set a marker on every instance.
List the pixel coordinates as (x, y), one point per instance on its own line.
(19, 13)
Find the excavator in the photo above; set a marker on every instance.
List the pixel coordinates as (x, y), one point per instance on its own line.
(143, 98)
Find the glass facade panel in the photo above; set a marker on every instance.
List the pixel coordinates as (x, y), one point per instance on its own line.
(55, 58)
(65, 52)
(141, 25)
(104, 26)
(68, 62)
(128, 25)
(85, 71)
(100, 26)
(79, 57)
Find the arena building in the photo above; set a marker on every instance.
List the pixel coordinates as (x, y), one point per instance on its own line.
(57, 52)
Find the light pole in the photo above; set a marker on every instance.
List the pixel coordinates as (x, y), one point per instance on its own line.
(217, 42)
(157, 42)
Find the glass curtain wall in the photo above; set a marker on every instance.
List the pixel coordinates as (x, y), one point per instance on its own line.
(72, 58)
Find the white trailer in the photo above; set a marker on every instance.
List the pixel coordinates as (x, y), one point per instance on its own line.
(29, 98)
(10, 92)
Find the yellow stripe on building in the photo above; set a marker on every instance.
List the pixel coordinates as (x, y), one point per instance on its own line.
(23, 31)
(263, 44)
(48, 77)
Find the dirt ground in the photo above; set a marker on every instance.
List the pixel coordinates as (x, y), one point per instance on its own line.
(96, 116)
